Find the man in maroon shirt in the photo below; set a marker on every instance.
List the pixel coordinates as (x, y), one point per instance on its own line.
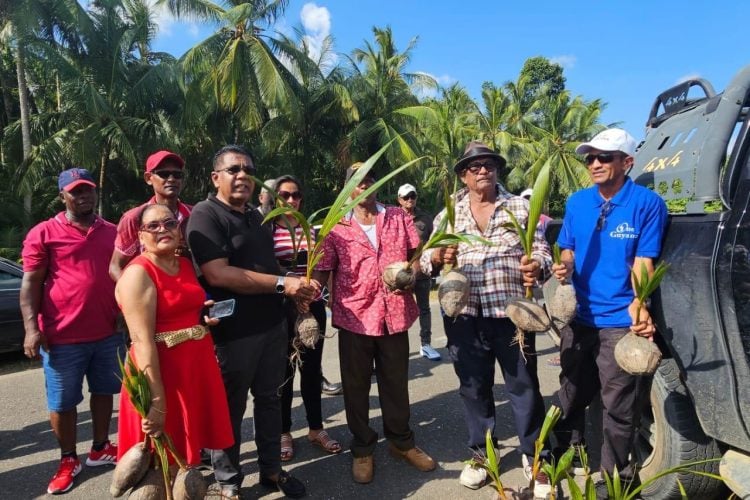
(164, 173)
(69, 310)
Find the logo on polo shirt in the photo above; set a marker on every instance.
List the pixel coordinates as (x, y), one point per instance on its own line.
(623, 231)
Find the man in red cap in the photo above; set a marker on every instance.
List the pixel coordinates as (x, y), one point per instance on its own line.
(69, 311)
(164, 172)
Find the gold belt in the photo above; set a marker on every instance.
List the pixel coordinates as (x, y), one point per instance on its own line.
(175, 337)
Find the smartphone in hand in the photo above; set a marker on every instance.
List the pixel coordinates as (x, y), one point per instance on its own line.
(221, 309)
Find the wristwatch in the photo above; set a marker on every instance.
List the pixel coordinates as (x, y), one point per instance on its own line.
(280, 284)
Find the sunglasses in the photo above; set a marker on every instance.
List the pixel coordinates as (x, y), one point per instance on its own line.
(602, 157)
(410, 196)
(489, 166)
(285, 195)
(235, 169)
(166, 174)
(157, 225)
(602, 220)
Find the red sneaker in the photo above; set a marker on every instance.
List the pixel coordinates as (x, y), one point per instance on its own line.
(62, 481)
(107, 456)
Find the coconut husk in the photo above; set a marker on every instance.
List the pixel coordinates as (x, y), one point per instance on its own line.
(151, 487)
(453, 293)
(308, 330)
(560, 302)
(637, 355)
(399, 276)
(130, 469)
(527, 315)
(189, 485)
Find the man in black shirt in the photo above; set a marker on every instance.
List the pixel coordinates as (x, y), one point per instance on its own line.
(236, 260)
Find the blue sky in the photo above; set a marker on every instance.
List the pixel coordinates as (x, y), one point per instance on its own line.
(622, 52)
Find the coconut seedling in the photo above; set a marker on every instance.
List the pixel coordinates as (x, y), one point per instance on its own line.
(130, 469)
(308, 332)
(491, 464)
(635, 354)
(559, 297)
(526, 314)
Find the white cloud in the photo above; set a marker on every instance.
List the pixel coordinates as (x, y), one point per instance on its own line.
(164, 19)
(443, 81)
(567, 61)
(316, 22)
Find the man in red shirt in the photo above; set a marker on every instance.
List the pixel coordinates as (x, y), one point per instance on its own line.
(69, 310)
(164, 173)
(372, 323)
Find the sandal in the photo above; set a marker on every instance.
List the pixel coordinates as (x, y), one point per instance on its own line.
(325, 441)
(287, 447)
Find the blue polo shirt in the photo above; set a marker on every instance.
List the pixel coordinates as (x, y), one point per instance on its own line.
(633, 228)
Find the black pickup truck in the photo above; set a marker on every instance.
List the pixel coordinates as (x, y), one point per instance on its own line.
(696, 155)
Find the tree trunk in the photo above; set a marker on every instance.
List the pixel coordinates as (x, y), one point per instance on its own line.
(102, 168)
(23, 100)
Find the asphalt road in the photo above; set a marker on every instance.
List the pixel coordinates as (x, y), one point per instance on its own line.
(29, 455)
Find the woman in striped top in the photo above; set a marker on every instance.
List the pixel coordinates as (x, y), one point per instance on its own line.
(289, 190)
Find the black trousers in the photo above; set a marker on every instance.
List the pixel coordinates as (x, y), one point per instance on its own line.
(390, 355)
(252, 364)
(422, 294)
(475, 344)
(309, 372)
(588, 366)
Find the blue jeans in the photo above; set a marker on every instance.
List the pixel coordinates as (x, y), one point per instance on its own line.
(474, 345)
(65, 365)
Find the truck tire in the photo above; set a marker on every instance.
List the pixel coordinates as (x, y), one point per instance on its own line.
(671, 435)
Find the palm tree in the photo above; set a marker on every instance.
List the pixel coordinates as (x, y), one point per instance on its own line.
(236, 65)
(380, 90)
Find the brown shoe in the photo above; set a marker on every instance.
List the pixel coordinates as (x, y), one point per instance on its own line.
(414, 456)
(362, 469)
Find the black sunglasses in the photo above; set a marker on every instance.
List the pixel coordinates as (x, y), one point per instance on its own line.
(602, 220)
(489, 166)
(157, 225)
(285, 195)
(602, 157)
(235, 169)
(166, 174)
(410, 196)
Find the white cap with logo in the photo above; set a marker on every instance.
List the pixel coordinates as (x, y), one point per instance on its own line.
(526, 193)
(406, 189)
(612, 139)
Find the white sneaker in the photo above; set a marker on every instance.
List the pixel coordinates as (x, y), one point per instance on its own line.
(542, 487)
(473, 477)
(428, 352)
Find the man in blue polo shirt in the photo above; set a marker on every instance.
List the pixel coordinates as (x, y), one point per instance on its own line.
(608, 228)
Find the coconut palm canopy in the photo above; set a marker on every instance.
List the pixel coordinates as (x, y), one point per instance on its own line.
(81, 85)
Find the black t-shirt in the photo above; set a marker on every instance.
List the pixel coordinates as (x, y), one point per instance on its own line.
(215, 231)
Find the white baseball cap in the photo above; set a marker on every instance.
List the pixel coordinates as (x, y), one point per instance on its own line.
(406, 189)
(526, 193)
(612, 139)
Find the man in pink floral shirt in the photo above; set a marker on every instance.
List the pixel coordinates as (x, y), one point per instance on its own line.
(372, 323)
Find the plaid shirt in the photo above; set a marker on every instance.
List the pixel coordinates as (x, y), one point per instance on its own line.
(493, 270)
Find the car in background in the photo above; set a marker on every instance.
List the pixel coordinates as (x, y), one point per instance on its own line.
(11, 321)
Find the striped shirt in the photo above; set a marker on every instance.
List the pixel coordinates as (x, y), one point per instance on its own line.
(284, 248)
(493, 270)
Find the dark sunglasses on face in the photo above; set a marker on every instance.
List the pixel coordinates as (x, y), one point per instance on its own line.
(235, 169)
(602, 157)
(285, 195)
(410, 196)
(602, 220)
(157, 225)
(166, 174)
(489, 166)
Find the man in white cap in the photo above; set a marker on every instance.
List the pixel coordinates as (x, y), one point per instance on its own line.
(407, 198)
(609, 228)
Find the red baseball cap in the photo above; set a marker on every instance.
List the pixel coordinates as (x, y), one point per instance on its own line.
(153, 161)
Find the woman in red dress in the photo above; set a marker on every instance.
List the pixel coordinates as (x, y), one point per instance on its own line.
(162, 301)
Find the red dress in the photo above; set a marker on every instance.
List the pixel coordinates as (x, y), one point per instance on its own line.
(197, 412)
